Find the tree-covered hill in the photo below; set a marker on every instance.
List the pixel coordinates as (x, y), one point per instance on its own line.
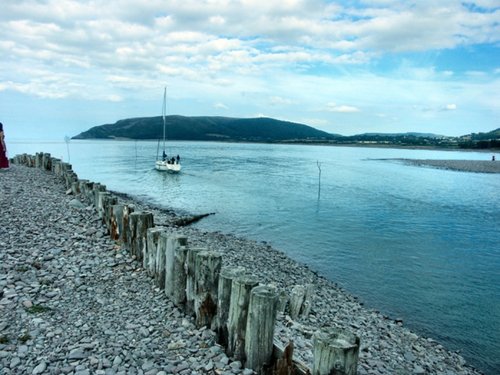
(262, 129)
(207, 129)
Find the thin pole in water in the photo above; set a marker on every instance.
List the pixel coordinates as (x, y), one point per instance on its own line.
(164, 111)
(66, 139)
(319, 178)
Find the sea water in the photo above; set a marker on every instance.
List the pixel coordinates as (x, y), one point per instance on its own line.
(416, 243)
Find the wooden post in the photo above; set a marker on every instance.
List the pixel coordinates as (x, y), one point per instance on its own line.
(132, 232)
(260, 328)
(152, 237)
(161, 250)
(207, 269)
(88, 192)
(190, 277)
(107, 212)
(139, 224)
(75, 188)
(39, 160)
(146, 221)
(300, 300)
(46, 162)
(179, 277)
(238, 313)
(100, 202)
(226, 278)
(96, 189)
(116, 221)
(335, 353)
(125, 235)
(282, 302)
(173, 242)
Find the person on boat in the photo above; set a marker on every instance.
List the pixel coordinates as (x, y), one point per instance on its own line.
(164, 155)
(493, 158)
(178, 159)
(4, 162)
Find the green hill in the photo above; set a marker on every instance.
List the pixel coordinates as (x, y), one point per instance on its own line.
(207, 129)
(263, 129)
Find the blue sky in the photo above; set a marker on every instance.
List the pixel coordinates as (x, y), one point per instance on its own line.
(345, 67)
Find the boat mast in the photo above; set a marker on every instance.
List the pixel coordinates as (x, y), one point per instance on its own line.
(164, 111)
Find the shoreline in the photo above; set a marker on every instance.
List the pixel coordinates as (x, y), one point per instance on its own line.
(386, 345)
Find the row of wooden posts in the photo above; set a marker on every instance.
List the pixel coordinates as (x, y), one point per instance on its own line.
(229, 301)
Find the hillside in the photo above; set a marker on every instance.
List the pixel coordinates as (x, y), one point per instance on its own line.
(207, 129)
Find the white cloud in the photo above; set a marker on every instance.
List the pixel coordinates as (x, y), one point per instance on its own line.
(450, 107)
(279, 101)
(220, 106)
(333, 107)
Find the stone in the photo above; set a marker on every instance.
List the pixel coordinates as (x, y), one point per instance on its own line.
(40, 368)
(77, 354)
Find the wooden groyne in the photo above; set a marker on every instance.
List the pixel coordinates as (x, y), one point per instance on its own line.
(230, 301)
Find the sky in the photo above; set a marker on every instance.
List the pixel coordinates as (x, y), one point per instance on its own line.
(345, 67)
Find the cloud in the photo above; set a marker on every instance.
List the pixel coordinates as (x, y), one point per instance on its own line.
(279, 101)
(220, 106)
(450, 107)
(332, 107)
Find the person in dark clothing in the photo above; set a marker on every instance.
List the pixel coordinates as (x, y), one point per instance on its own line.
(178, 159)
(4, 162)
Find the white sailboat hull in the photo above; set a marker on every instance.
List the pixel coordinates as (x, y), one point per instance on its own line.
(167, 167)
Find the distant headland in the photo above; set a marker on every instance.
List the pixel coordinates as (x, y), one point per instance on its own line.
(268, 130)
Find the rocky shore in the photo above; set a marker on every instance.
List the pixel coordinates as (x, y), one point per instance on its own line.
(72, 302)
(477, 166)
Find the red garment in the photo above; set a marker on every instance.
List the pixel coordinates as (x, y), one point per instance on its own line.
(4, 162)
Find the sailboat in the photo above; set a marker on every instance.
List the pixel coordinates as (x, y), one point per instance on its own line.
(167, 164)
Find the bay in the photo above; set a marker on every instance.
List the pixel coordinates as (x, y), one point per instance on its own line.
(420, 244)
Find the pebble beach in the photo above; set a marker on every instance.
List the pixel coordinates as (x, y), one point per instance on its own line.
(476, 166)
(73, 302)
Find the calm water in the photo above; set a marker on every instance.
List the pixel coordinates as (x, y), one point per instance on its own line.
(419, 244)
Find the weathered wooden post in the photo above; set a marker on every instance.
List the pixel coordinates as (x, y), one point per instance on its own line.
(133, 220)
(173, 242)
(88, 191)
(54, 162)
(260, 328)
(82, 185)
(161, 251)
(179, 277)
(207, 269)
(107, 204)
(300, 300)
(100, 203)
(116, 221)
(96, 189)
(152, 237)
(238, 313)
(75, 188)
(139, 224)
(191, 278)
(146, 221)
(46, 161)
(39, 159)
(226, 278)
(335, 353)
